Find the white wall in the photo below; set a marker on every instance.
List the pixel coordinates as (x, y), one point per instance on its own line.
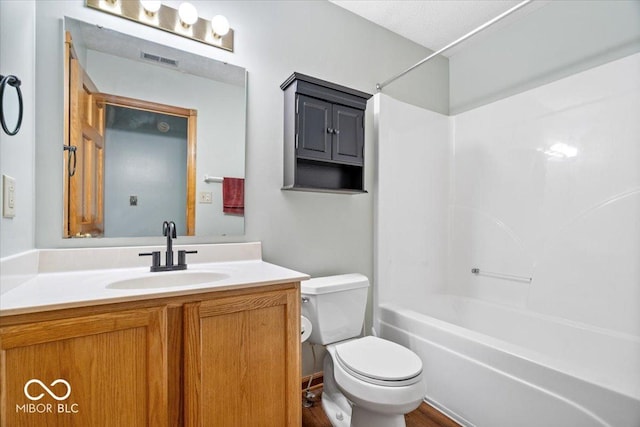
(571, 223)
(556, 40)
(17, 57)
(412, 193)
(544, 184)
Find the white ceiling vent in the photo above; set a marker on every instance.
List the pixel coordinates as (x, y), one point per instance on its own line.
(159, 59)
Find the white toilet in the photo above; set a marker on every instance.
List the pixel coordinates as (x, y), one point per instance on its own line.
(368, 381)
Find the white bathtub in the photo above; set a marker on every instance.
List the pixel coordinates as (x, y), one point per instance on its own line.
(488, 365)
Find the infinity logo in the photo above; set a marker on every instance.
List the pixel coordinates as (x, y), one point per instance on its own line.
(47, 389)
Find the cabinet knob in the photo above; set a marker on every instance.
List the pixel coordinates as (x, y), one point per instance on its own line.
(329, 130)
(336, 131)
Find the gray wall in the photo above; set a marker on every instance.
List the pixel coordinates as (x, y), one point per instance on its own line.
(554, 41)
(314, 233)
(17, 57)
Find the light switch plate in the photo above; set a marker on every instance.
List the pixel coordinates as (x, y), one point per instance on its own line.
(8, 196)
(206, 197)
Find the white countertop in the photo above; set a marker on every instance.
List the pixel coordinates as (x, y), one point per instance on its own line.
(47, 290)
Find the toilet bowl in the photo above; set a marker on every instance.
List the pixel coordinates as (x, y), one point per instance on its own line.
(382, 380)
(368, 381)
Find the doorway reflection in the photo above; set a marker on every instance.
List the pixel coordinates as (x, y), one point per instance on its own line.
(145, 178)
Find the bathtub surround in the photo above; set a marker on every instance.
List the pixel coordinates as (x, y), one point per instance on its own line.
(412, 189)
(547, 185)
(543, 184)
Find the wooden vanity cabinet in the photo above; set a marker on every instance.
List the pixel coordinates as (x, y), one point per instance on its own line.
(323, 135)
(114, 365)
(241, 361)
(226, 358)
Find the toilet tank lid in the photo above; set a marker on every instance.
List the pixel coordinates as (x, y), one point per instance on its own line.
(341, 282)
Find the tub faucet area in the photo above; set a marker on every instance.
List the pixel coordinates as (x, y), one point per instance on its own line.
(168, 230)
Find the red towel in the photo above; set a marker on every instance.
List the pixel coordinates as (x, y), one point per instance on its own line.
(233, 196)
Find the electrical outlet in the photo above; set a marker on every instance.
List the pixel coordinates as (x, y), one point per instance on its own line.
(8, 196)
(206, 197)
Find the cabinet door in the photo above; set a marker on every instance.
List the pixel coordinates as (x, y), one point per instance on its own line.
(100, 370)
(314, 128)
(242, 361)
(348, 138)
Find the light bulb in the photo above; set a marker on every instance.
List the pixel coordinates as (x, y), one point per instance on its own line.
(220, 26)
(150, 6)
(188, 14)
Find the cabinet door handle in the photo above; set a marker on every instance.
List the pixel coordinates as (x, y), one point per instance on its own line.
(329, 130)
(336, 131)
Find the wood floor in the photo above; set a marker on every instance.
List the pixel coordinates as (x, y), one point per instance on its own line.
(424, 416)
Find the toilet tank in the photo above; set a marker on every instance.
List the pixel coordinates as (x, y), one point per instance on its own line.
(335, 305)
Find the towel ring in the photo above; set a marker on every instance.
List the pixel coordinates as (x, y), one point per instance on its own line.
(15, 82)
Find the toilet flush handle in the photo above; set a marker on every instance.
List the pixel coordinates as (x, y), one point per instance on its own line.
(305, 300)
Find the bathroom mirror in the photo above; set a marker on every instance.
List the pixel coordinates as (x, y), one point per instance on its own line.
(145, 124)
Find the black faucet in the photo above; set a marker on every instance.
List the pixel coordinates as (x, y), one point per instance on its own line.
(168, 230)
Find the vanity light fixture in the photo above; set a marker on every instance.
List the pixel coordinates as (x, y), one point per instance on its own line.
(151, 7)
(219, 26)
(188, 14)
(183, 21)
(111, 6)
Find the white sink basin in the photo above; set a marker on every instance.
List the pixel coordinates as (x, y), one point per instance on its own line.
(168, 280)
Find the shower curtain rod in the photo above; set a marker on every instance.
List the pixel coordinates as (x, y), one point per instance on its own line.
(379, 86)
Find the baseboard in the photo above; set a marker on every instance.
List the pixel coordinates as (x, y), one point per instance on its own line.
(447, 413)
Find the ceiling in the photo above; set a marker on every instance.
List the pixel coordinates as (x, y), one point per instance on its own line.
(435, 23)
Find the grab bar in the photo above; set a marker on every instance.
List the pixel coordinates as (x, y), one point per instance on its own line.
(477, 272)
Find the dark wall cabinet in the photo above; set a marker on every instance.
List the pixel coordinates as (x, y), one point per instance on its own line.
(323, 136)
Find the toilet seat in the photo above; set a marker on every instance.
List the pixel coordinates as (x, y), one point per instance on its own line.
(378, 361)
